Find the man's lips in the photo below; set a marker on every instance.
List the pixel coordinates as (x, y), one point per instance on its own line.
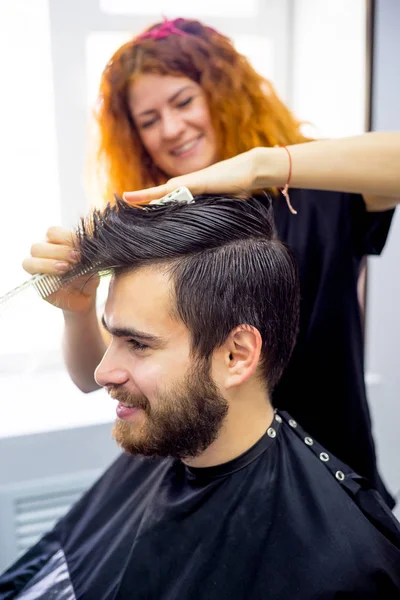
(125, 412)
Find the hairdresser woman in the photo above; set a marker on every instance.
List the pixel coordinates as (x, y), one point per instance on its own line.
(179, 98)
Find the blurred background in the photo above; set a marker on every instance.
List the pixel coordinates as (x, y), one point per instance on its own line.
(333, 62)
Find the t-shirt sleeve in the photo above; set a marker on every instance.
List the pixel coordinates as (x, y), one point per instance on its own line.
(369, 229)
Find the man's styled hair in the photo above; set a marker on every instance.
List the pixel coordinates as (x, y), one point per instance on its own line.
(227, 267)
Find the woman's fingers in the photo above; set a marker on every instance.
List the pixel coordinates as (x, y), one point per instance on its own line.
(55, 256)
(54, 251)
(46, 266)
(146, 196)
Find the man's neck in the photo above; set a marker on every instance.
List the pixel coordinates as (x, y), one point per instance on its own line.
(250, 414)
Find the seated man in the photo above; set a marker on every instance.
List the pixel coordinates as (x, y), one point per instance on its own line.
(217, 496)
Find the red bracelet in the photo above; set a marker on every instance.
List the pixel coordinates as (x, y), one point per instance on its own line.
(285, 190)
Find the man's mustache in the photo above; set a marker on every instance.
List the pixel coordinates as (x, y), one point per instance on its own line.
(127, 399)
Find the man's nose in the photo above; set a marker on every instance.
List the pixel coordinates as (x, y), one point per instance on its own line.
(110, 371)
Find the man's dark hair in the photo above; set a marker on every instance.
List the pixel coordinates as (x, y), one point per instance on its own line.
(228, 268)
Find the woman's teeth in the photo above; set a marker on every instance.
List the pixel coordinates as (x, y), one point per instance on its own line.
(185, 147)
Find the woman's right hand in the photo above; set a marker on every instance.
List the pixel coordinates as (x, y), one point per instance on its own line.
(56, 256)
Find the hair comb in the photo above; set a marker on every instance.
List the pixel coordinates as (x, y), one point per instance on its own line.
(180, 196)
(45, 285)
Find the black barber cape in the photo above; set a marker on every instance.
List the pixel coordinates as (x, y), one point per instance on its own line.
(284, 521)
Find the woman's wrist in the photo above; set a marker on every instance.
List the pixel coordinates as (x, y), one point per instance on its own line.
(270, 167)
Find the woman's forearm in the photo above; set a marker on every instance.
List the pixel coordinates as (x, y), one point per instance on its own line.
(83, 347)
(368, 164)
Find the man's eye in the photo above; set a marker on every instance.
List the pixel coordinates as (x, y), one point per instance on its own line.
(135, 345)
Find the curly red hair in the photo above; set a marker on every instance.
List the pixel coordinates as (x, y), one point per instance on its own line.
(245, 109)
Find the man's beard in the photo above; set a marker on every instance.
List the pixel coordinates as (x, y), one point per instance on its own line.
(186, 420)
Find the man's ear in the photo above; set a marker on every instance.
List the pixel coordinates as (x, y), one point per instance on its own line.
(241, 354)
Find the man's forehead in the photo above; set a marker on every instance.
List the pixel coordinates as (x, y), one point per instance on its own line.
(154, 277)
(144, 295)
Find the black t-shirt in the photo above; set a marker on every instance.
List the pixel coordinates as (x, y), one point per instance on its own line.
(283, 521)
(323, 386)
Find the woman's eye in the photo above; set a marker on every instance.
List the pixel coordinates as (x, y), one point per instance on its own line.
(147, 124)
(184, 103)
(135, 345)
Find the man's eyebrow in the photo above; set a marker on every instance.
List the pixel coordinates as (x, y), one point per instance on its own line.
(171, 99)
(129, 332)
